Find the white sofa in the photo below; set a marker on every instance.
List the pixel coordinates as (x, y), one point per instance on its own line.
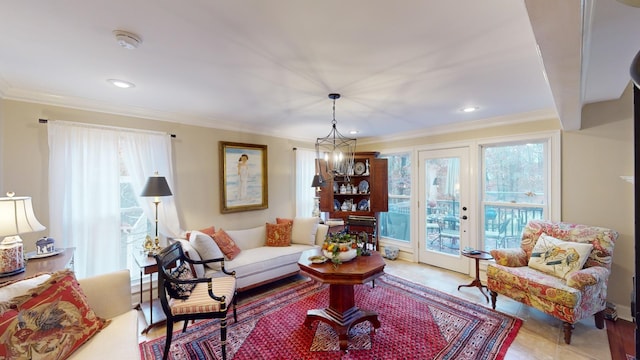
(109, 296)
(258, 264)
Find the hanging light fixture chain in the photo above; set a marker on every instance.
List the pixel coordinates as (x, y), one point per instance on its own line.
(334, 122)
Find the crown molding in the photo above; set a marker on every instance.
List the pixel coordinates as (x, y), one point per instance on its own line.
(190, 119)
(466, 126)
(123, 110)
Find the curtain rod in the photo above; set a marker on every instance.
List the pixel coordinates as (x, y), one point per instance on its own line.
(44, 121)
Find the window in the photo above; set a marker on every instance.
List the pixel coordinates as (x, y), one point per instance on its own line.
(134, 225)
(515, 189)
(100, 212)
(396, 223)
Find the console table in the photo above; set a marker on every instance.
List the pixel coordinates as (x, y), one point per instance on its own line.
(47, 264)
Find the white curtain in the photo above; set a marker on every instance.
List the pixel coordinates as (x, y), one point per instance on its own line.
(142, 155)
(84, 189)
(305, 170)
(84, 195)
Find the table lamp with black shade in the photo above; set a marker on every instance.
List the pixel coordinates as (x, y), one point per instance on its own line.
(156, 187)
(16, 217)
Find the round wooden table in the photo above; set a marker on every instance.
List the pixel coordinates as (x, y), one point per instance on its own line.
(480, 255)
(342, 312)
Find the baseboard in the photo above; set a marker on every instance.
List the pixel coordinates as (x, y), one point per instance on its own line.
(624, 312)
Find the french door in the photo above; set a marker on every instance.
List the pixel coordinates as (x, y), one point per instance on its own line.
(444, 207)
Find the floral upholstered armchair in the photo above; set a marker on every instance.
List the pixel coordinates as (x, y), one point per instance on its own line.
(561, 269)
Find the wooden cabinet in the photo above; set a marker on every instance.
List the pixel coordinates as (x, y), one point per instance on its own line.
(371, 194)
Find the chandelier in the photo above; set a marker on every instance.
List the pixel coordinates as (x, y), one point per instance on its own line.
(335, 150)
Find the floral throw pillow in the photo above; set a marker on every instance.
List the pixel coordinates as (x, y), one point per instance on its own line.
(226, 244)
(181, 291)
(50, 322)
(559, 258)
(278, 235)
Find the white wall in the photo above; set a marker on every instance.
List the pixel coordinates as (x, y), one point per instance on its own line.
(195, 151)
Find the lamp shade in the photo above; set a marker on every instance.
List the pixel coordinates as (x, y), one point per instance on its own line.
(156, 186)
(318, 181)
(17, 217)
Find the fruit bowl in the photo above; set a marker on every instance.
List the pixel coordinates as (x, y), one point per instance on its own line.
(343, 256)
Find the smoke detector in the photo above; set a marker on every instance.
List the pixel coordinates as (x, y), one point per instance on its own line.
(127, 40)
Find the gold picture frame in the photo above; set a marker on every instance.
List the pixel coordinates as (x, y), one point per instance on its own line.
(244, 177)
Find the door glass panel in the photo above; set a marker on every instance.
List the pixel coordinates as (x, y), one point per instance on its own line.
(442, 205)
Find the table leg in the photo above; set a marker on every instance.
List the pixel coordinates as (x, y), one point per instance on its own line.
(139, 306)
(476, 282)
(342, 313)
(151, 299)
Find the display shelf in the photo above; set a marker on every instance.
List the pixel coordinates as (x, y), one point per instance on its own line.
(376, 193)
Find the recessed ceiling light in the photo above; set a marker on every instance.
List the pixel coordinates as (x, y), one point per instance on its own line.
(469, 109)
(353, 132)
(121, 83)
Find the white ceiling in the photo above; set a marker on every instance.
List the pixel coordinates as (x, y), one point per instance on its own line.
(403, 67)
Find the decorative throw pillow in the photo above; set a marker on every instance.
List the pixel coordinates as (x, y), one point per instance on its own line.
(12, 289)
(558, 258)
(284, 221)
(209, 231)
(304, 230)
(50, 322)
(206, 248)
(181, 291)
(278, 235)
(226, 244)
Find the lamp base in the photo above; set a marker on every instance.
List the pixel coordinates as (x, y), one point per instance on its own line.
(11, 256)
(13, 272)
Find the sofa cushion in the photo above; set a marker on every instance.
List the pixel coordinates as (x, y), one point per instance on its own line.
(119, 340)
(249, 238)
(278, 234)
(263, 258)
(534, 283)
(53, 319)
(206, 247)
(200, 301)
(303, 230)
(226, 244)
(557, 257)
(117, 288)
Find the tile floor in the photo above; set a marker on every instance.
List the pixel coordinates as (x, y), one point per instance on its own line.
(540, 336)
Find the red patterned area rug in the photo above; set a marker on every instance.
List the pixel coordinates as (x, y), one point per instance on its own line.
(417, 322)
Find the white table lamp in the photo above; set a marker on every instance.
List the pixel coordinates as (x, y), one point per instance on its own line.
(16, 217)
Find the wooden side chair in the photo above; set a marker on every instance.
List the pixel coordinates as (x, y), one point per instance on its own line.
(184, 297)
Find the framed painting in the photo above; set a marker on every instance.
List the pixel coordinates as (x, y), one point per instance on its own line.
(244, 177)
